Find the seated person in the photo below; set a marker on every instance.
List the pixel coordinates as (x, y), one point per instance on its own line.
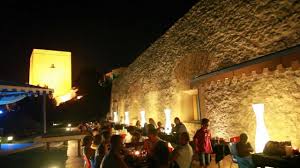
(113, 158)
(244, 150)
(151, 142)
(182, 155)
(160, 155)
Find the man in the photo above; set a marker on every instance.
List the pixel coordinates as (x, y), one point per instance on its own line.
(151, 142)
(113, 158)
(182, 155)
(244, 150)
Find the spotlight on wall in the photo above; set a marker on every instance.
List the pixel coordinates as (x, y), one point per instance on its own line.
(168, 127)
(126, 118)
(143, 118)
(116, 118)
(262, 136)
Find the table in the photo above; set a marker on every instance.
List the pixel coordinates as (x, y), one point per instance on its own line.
(263, 160)
(221, 150)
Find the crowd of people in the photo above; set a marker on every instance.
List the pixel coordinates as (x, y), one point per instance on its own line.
(104, 148)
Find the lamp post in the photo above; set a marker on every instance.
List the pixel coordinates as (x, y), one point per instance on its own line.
(262, 136)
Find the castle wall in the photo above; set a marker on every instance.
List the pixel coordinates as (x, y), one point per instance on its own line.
(211, 36)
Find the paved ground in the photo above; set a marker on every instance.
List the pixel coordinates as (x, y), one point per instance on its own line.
(225, 163)
(73, 160)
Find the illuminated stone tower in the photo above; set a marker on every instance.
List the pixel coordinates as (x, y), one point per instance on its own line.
(53, 69)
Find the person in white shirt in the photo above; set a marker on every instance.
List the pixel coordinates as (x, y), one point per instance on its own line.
(182, 155)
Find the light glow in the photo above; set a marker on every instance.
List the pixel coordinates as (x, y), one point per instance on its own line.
(143, 118)
(1, 112)
(168, 127)
(137, 153)
(69, 125)
(68, 129)
(116, 118)
(10, 138)
(262, 136)
(126, 118)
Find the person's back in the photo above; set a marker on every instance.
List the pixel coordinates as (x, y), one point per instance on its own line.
(185, 154)
(111, 160)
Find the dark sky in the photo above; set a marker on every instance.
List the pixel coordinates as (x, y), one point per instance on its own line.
(103, 35)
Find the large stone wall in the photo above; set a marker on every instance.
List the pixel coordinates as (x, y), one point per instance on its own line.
(212, 35)
(228, 105)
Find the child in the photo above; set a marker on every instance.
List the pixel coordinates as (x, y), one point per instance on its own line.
(203, 144)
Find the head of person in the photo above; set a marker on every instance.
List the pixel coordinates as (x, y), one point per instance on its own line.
(138, 123)
(204, 122)
(184, 138)
(152, 135)
(243, 137)
(159, 124)
(176, 120)
(116, 142)
(151, 121)
(106, 135)
(87, 141)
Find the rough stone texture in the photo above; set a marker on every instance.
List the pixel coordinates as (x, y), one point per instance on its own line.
(229, 107)
(212, 35)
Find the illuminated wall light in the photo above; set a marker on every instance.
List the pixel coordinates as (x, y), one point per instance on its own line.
(1, 112)
(127, 118)
(168, 127)
(69, 125)
(262, 136)
(10, 138)
(143, 118)
(116, 118)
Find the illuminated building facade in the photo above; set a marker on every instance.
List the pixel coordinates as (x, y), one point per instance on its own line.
(52, 69)
(207, 65)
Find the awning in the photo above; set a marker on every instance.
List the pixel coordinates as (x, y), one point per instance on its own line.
(11, 92)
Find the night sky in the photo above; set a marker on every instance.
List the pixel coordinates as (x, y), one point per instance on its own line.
(105, 35)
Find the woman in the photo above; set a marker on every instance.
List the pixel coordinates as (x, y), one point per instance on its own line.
(88, 152)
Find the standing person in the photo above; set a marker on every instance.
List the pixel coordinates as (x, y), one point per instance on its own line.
(113, 159)
(179, 126)
(102, 149)
(178, 129)
(244, 150)
(203, 144)
(182, 155)
(88, 152)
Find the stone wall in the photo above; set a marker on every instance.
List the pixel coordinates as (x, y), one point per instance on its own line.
(212, 35)
(228, 104)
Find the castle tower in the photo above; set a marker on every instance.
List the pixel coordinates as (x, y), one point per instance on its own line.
(52, 69)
